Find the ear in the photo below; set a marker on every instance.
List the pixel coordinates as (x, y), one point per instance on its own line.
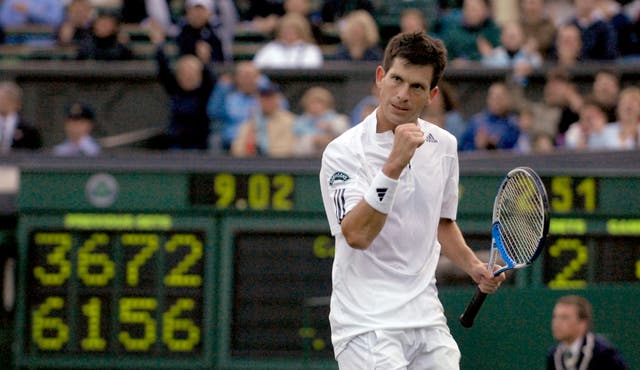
(380, 73)
(433, 93)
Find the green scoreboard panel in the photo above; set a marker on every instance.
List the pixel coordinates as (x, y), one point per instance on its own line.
(231, 268)
(138, 288)
(277, 290)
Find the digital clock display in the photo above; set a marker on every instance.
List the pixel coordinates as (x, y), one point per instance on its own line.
(123, 289)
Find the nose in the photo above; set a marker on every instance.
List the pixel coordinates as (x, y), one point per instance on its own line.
(403, 92)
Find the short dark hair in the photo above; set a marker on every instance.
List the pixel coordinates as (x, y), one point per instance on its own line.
(583, 306)
(417, 48)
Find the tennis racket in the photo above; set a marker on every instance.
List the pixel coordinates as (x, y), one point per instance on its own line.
(519, 228)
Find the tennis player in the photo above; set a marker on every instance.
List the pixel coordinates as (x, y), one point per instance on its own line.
(390, 192)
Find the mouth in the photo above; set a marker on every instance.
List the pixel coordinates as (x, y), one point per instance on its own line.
(398, 108)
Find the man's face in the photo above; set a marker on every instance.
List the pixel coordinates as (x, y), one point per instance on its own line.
(565, 324)
(198, 16)
(404, 92)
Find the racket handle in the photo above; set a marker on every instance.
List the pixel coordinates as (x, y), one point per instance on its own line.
(469, 314)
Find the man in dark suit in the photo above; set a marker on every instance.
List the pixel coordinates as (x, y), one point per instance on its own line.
(15, 133)
(578, 348)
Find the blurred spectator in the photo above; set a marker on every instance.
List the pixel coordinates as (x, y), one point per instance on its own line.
(588, 133)
(476, 27)
(561, 93)
(293, 46)
(269, 132)
(532, 140)
(197, 35)
(537, 26)
(77, 24)
(444, 110)
(260, 15)
(496, 126)
(334, 10)
(627, 40)
(234, 100)
(15, 13)
(605, 89)
(15, 132)
(189, 88)
(513, 53)
(624, 133)
(319, 122)
(365, 106)
(141, 12)
(567, 49)
(106, 41)
(598, 36)
(78, 125)
(359, 38)
(268, 25)
(413, 20)
(224, 21)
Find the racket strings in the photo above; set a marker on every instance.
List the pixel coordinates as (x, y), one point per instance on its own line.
(521, 217)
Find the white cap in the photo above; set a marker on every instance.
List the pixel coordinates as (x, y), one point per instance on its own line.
(207, 4)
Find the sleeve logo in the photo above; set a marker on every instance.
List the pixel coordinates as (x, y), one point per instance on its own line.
(338, 176)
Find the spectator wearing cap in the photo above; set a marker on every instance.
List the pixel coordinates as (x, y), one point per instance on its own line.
(106, 41)
(15, 132)
(269, 132)
(197, 35)
(78, 126)
(234, 100)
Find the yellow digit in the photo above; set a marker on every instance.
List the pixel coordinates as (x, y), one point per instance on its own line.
(258, 191)
(149, 244)
(93, 342)
(58, 257)
(323, 247)
(135, 311)
(587, 188)
(171, 324)
(564, 279)
(49, 333)
(88, 259)
(562, 200)
(178, 275)
(224, 185)
(284, 186)
(638, 269)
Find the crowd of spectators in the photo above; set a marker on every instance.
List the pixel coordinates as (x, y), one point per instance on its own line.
(246, 114)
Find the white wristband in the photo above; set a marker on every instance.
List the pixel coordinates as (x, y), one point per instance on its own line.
(381, 193)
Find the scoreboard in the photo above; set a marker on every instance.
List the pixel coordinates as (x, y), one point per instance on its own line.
(231, 267)
(124, 286)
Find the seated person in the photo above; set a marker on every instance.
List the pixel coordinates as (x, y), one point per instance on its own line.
(77, 24)
(78, 126)
(359, 38)
(106, 42)
(269, 132)
(496, 126)
(141, 12)
(463, 37)
(15, 132)
(197, 35)
(513, 53)
(14, 13)
(293, 46)
(319, 122)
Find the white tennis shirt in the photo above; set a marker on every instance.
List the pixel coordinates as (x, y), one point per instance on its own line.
(390, 285)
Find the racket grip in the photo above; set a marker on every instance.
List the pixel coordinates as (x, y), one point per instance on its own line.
(469, 314)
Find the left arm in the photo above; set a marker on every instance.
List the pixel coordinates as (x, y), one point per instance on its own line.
(456, 249)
